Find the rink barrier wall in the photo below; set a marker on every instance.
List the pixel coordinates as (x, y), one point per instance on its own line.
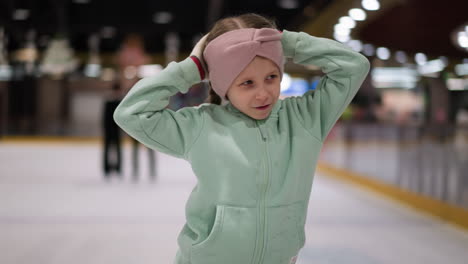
(447, 212)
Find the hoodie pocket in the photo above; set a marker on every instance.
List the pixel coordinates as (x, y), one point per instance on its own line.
(285, 233)
(231, 240)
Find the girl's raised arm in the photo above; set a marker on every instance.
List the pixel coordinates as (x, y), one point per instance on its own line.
(345, 71)
(143, 114)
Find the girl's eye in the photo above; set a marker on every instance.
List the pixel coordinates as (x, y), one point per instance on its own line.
(249, 82)
(273, 76)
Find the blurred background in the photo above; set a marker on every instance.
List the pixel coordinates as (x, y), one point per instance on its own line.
(392, 183)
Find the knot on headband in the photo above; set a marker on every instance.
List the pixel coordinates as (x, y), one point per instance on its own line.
(227, 55)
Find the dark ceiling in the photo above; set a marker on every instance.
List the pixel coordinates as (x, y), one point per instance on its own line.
(411, 25)
(419, 26)
(190, 18)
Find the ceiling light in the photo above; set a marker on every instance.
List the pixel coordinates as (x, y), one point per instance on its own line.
(162, 17)
(371, 5)
(356, 45)
(383, 53)
(420, 58)
(340, 27)
(341, 38)
(20, 14)
(347, 22)
(288, 4)
(340, 30)
(401, 57)
(463, 39)
(368, 50)
(357, 14)
(108, 32)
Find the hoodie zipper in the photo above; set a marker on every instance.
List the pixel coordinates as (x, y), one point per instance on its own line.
(260, 247)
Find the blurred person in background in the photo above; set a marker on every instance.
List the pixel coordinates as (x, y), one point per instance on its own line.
(23, 88)
(254, 155)
(131, 56)
(112, 160)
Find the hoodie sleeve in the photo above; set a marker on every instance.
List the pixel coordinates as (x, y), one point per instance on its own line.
(143, 114)
(344, 69)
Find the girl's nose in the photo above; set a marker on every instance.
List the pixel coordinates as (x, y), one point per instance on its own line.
(261, 93)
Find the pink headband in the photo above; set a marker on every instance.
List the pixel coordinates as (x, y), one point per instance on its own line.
(227, 55)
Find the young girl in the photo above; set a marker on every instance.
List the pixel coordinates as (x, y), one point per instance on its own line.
(255, 156)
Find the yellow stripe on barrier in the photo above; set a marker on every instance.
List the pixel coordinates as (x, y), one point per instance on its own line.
(451, 213)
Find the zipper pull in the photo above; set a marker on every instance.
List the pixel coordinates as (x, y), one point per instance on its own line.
(262, 132)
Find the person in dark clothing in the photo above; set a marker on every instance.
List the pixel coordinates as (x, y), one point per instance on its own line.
(132, 55)
(135, 161)
(112, 135)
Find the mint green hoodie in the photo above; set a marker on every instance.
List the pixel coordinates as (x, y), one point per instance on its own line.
(254, 176)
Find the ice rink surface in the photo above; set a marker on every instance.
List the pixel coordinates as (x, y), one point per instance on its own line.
(55, 208)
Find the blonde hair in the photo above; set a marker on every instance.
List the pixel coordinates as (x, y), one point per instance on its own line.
(249, 20)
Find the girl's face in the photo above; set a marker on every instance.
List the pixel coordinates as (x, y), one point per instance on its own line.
(256, 89)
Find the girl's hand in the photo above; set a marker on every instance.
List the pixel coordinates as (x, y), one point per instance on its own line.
(198, 51)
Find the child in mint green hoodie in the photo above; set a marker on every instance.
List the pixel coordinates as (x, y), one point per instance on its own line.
(255, 156)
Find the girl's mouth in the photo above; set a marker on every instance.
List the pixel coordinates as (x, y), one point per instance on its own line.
(262, 107)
